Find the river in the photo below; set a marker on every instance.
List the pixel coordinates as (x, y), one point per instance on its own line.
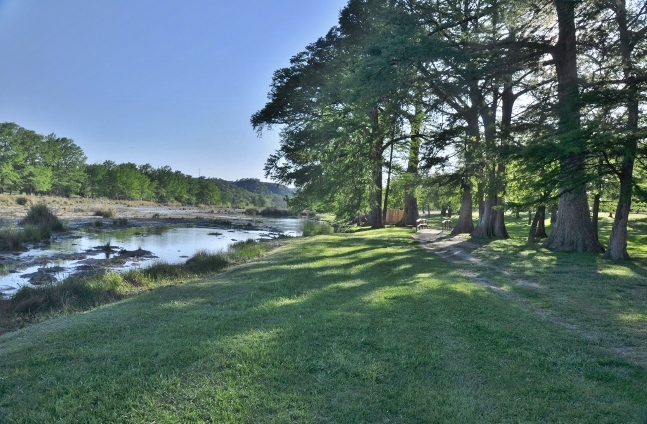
(81, 250)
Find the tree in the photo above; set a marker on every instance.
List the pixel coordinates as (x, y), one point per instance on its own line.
(66, 161)
(629, 34)
(10, 157)
(573, 230)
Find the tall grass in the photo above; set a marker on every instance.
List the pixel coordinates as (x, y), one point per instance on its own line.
(39, 223)
(40, 216)
(105, 212)
(76, 293)
(311, 228)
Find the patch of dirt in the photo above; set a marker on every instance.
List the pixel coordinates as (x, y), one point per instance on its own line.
(458, 251)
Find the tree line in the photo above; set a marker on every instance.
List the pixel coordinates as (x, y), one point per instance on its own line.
(504, 102)
(35, 164)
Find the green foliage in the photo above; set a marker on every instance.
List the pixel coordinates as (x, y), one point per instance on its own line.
(311, 228)
(82, 293)
(22, 200)
(204, 262)
(120, 222)
(105, 212)
(361, 328)
(40, 216)
(33, 163)
(12, 238)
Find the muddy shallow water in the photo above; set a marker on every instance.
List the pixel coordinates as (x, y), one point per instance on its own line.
(172, 236)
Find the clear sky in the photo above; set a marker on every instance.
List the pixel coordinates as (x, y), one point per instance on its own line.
(165, 82)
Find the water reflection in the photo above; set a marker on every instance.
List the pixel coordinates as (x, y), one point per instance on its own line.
(168, 244)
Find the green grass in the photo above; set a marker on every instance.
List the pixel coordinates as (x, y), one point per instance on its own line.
(311, 228)
(39, 224)
(354, 328)
(39, 215)
(81, 293)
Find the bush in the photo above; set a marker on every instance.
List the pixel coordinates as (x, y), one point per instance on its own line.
(276, 213)
(314, 228)
(245, 250)
(11, 238)
(105, 213)
(22, 200)
(40, 216)
(204, 262)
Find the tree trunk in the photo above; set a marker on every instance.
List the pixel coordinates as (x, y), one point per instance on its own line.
(480, 197)
(617, 247)
(533, 227)
(541, 224)
(465, 223)
(595, 214)
(388, 187)
(573, 230)
(499, 229)
(411, 214)
(375, 219)
(411, 177)
(484, 226)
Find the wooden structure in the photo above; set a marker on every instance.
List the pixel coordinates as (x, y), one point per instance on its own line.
(393, 216)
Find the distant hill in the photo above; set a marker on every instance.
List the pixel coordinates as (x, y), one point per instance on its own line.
(251, 191)
(256, 186)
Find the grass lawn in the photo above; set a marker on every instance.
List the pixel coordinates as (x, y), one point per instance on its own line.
(355, 328)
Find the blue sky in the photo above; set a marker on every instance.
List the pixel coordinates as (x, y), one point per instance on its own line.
(165, 82)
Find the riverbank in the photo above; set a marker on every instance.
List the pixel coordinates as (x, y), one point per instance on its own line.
(100, 220)
(81, 211)
(361, 327)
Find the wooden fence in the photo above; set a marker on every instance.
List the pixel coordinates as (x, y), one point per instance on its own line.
(393, 216)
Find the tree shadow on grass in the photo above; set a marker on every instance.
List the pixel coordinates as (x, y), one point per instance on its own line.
(378, 331)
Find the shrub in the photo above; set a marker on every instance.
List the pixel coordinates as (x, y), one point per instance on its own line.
(105, 213)
(203, 262)
(245, 250)
(138, 278)
(11, 238)
(154, 273)
(120, 222)
(276, 213)
(22, 200)
(314, 228)
(111, 280)
(40, 215)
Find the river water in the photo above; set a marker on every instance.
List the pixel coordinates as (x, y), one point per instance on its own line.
(66, 255)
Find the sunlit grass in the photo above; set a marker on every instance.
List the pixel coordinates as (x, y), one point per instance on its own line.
(354, 328)
(80, 293)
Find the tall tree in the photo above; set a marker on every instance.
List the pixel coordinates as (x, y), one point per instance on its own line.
(627, 38)
(573, 230)
(66, 161)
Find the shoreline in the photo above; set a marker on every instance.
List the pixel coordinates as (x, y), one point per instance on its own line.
(81, 219)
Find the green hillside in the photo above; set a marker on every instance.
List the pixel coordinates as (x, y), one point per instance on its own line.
(253, 192)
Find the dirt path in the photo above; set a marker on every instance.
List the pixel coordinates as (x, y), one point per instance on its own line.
(458, 251)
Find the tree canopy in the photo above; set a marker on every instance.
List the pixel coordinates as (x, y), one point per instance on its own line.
(548, 91)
